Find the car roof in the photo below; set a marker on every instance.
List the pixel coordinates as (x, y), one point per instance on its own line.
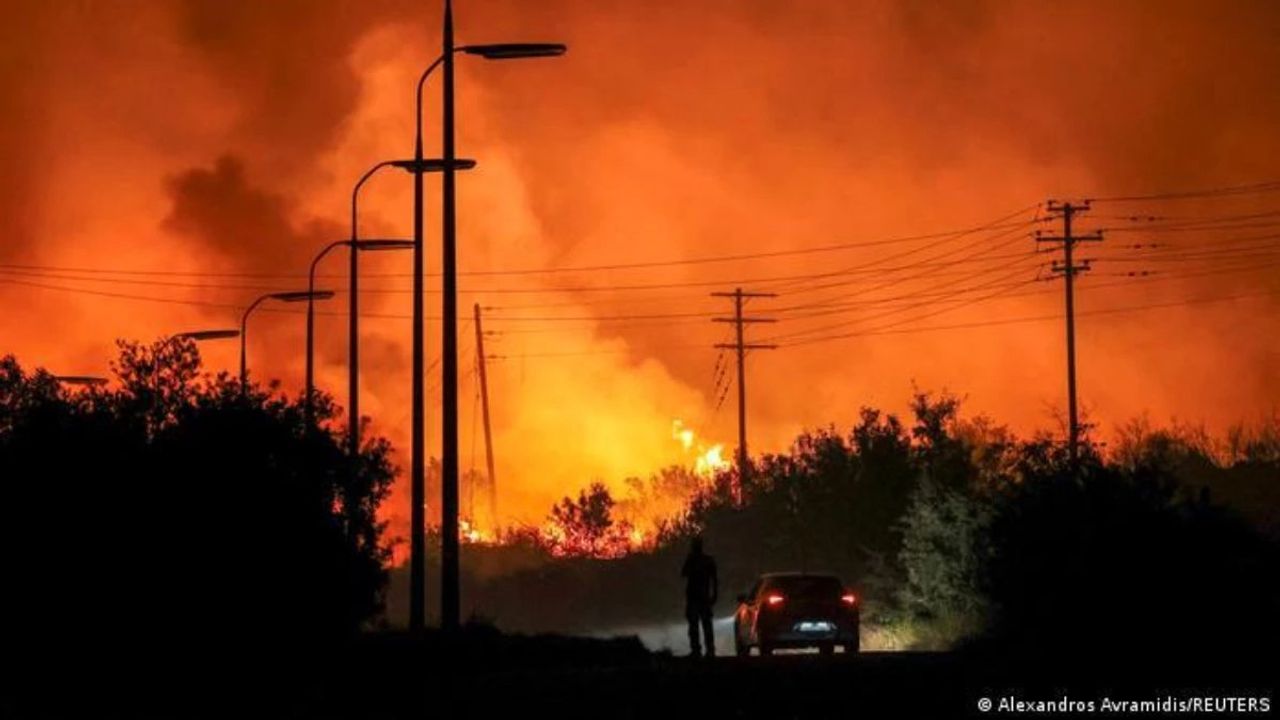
(786, 575)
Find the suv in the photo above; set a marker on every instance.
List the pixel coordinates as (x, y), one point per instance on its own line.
(796, 610)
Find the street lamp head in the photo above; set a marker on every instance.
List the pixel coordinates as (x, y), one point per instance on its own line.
(515, 51)
(80, 379)
(199, 335)
(301, 295)
(427, 165)
(384, 244)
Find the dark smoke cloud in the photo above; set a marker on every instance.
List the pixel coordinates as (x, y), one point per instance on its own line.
(286, 62)
(246, 226)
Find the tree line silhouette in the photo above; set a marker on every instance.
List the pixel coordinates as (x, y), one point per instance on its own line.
(173, 513)
(955, 531)
(170, 516)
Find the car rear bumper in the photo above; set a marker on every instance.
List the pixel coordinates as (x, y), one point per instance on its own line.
(808, 633)
(810, 639)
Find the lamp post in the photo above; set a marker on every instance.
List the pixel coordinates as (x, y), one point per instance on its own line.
(417, 479)
(450, 600)
(289, 297)
(353, 397)
(416, 166)
(417, 473)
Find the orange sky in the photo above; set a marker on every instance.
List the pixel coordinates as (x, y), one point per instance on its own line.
(224, 138)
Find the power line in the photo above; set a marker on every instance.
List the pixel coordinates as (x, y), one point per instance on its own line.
(910, 301)
(834, 247)
(910, 306)
(930, 262)
(1190, 220)
(834, 305)
(619, 322)
(875, 265)
(1195, 227)
(1250, 189)
(540, 290)
(894, 329)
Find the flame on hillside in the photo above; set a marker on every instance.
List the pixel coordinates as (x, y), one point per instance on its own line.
(707, 459)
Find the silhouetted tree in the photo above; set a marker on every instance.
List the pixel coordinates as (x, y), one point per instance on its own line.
(585, 526)
(1115, 557)
(172, 514)
(944, 554)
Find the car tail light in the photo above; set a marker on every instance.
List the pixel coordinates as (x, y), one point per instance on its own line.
(773, 599)
(849, 599)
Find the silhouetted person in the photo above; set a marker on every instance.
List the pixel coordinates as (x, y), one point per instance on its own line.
(701, 588)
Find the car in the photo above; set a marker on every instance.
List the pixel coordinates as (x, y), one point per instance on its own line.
(796, 610)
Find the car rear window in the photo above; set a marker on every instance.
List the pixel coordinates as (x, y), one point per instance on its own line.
(815, 586)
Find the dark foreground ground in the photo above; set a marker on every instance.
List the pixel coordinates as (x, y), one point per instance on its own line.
(482, 674)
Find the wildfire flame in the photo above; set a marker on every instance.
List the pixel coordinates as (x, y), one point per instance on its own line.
(470, 534)
(708, 460)
(624, 535)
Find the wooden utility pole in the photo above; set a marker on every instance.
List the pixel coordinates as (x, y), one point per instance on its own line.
(741, 347)
(488, 435)
(1068, 269)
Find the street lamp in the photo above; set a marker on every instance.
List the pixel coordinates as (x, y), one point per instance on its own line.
(417, 166)
(192, 335)
(289, 297)
(353, 401)
(89, 380)
(450, 594)
(200, 335)
(514, 51)
(450, 164)
(417, 452)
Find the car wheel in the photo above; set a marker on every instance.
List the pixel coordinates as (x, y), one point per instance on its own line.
(852, 647)
(827, 649)
(765, 650)
(742, 650)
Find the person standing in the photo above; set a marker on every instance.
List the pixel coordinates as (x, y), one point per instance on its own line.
(701, 589)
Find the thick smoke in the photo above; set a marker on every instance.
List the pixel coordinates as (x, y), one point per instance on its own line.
(213, 136)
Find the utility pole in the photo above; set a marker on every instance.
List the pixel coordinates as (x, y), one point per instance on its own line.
(488, 435)
(1068, 269)
(450, 590)
(741, 347)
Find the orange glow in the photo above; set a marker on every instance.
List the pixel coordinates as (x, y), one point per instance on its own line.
(774, 599)
(208, 150)
(849, 599)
